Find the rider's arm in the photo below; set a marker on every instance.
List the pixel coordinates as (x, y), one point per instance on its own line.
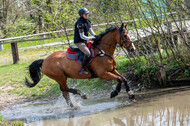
(81, 33)
(92, 32)
(85, 37)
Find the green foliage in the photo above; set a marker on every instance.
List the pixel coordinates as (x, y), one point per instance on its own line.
(9, 123)
(122, 63)
(58, 15)
(1, 117)
(90, 85)
(140, 67)
(4, 122)
(22, 27)
(187, 73)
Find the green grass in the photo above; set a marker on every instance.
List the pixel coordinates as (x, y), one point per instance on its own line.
(4, 122)
(14, 76)
(1, 117)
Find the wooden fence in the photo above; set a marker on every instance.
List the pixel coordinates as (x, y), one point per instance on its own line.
(13, 41)
(134, 33)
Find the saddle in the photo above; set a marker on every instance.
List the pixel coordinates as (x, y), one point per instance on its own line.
(74, 53)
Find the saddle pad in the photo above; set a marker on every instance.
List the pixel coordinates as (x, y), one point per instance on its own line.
(78, 56)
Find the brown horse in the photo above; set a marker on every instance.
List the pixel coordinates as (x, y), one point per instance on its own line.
(58, 67)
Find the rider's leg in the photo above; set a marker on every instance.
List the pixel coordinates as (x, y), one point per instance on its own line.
(84, 63)
(82, 46)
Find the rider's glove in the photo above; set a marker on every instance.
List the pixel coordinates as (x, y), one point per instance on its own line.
(93, 39)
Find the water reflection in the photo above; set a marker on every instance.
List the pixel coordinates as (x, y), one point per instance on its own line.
(172, 109)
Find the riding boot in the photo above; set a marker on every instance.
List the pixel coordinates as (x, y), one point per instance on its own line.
(84, 63)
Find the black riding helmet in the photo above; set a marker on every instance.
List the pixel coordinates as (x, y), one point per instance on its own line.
(83, 11)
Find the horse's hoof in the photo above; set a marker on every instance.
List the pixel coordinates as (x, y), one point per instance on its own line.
(131, 95)
(113, 94)
(133, 100)
(84, 96)
(71, 105)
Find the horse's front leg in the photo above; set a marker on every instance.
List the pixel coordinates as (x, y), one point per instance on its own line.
(111, 76)
(127, 86)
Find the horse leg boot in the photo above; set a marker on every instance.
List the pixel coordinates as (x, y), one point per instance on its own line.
(67, 98)
(112, 76)
(117, 89)
(128, 90)
(84, 63)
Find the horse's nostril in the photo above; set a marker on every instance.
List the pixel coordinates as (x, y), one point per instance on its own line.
(132, 50)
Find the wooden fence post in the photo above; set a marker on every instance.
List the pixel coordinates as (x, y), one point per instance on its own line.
(1, 47)
(15, 52)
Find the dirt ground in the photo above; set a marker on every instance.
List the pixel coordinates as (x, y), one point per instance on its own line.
(8, 99)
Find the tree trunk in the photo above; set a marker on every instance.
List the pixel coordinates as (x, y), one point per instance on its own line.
(4, 19)
(187, 3)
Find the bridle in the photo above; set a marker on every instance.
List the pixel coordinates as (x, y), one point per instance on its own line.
(124, 41)
(121, 39)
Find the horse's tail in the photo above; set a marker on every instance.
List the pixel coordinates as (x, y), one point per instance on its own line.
(35, 73)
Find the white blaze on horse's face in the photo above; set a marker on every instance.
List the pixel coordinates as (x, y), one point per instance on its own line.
(129, 45)
(132, 47)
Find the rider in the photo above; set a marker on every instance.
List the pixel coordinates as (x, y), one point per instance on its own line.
(82, 27)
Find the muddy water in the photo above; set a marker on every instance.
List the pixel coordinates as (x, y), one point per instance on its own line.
(163, 107)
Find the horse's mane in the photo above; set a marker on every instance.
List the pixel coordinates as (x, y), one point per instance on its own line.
(99, 37)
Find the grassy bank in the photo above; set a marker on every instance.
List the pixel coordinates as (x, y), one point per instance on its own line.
(4, 122)
(162, 73)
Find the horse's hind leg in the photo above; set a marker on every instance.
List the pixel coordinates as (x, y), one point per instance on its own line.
(67, 98)
(65, 89)
(75, 91)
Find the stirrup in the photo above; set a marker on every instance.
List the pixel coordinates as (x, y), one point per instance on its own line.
(83, 71)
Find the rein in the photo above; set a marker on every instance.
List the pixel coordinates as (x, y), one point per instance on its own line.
(104, 54)
(121, 45)
(107, 44)
(124, 41)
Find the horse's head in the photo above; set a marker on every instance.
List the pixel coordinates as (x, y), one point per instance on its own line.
(125, 40)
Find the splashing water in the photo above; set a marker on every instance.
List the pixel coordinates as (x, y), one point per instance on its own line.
(32, 112)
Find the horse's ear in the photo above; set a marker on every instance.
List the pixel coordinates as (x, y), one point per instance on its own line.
(121, 28)
(125, 26)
